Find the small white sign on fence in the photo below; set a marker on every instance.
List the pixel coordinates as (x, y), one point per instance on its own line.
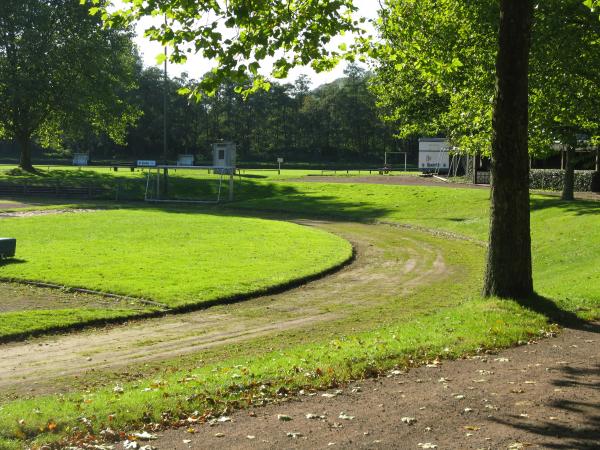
(145, 163)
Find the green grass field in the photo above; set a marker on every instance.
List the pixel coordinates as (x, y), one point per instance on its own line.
(174, 258)
(446, 320)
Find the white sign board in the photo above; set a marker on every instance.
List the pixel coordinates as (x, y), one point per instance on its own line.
(434, 155)
(279, 160)
(185, 160)
(80, 159)
(145, 163)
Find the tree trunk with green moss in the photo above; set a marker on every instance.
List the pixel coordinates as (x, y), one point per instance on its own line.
(508, 272)
(25, 162)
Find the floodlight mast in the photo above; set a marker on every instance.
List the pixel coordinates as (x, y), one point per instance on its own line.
(165, 87)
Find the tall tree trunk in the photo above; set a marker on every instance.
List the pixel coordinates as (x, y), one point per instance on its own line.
(569, 180)
(508, 272)
(25, 148)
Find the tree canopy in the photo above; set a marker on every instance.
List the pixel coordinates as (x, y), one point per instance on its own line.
(61, 74)
(436, 65)
(238, 35)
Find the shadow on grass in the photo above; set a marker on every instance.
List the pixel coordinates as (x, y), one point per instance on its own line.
(581, 431)
(250, 197)
(556, 314)
(579, 207)
(11, 261)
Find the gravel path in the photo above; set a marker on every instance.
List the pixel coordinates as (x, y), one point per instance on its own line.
(541, 395)
(388, 261)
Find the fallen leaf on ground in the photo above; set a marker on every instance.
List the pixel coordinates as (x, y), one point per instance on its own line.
(518, 445)
(408, 420)
(293, 434)
(283, 417)
(426, 445)
(145, 436)
(345, 416)
(331, 394)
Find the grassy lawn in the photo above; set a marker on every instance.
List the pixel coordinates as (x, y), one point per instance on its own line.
(442, 319)
(566, 263)
(175, 258)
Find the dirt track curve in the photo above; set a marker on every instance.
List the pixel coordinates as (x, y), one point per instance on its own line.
(545, 395)
(389, 263)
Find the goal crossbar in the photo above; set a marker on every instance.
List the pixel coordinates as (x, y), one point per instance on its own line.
(385, 157)
(222, 171)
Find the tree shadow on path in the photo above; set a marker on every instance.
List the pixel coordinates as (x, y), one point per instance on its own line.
(578, 424)
(555, 314)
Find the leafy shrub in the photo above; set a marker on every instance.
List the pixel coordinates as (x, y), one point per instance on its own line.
(553, 180)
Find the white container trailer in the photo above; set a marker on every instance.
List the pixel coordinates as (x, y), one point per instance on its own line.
(434, 155)
(224, 157)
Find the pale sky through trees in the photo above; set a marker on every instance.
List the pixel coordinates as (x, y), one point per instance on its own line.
(197, 66)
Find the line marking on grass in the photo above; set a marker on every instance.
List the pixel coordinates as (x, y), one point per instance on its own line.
(85, 291)
(434, 232)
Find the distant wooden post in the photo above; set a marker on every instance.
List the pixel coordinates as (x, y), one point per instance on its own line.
(166, 181)
(475, 168)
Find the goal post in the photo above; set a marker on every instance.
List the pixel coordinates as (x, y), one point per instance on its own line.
(154, 190)
(385, 158)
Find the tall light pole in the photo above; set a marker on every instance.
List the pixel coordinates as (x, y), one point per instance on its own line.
(165, 88)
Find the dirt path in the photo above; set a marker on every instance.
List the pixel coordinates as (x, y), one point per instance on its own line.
(9, 204)
(390, 179)
(390, 262)
(542, 395)
(44, 212)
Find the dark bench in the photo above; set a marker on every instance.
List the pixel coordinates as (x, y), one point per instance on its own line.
(8, 247)
(130, 166)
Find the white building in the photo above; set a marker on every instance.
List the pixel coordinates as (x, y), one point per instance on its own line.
(434, 155)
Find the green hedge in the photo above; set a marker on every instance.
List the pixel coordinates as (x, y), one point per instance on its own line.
(552, 180)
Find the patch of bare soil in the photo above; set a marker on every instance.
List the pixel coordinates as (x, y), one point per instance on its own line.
(389, 264)
(18, 297)
(390, 179)
(13, 205)
(542, 395)
(44, 212)
(578, 195)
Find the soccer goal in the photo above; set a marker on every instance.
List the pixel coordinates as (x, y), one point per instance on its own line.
(387, 160)
(188, 184)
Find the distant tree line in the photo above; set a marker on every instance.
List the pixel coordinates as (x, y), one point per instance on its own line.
(334, 123)
(337, 122)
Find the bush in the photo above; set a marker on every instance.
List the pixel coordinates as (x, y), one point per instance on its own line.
(553, 180)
